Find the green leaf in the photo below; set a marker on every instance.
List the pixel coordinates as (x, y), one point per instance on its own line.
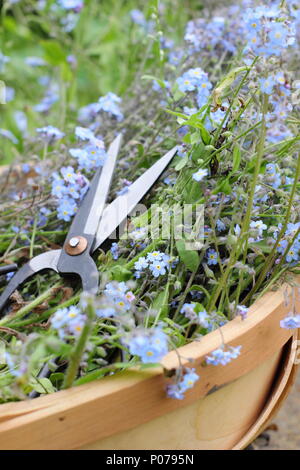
(158, 80)
(223, 187)
(236, 158)
(201, 289)
(57, 378)
(192, 192)
(42, 385)
(119, 273)
(189, 257)
(161, 303)
(182, 163)
(225, 83)
(54, 54)
(174, 113)
(205, 136)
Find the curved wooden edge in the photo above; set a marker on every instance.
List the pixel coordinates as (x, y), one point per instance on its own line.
(117, 403)
(284, 381)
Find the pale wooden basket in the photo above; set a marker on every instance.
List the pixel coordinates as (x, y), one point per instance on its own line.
(226, 409)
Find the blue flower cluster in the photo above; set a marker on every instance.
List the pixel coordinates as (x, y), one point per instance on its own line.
(93, 154)
(202, 34)
(69, 188)
(117, 298)
(222, 356)
(157, 263)
(50, 133)
(195, 80)
(51, 96)
(75, 5)
(293, 253)
(108, 104)
(115, 250)
(268, 30)
(68, 321)
(186, 382)
(138, 17)
(201, 317)
(150, 345)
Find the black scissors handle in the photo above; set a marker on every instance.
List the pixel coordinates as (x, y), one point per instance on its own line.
(84, 266)
(39, 263)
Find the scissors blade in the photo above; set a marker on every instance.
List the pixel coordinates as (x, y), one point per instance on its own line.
(87, 219)
(116, 212)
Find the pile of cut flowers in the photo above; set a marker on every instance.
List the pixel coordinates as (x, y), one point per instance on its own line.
(224, 89)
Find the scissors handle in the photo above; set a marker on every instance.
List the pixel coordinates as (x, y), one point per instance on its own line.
(24, 273)
(84, 266)
(8, 268)
(41, 262)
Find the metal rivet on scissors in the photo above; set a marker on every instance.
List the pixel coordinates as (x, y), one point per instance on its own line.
(92, 225)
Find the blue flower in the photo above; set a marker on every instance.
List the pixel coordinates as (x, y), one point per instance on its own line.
(290, 322)
(158, 268)
(9, 276)
(138, 17)
(68, 321)
(203, 319)
(88, 113)
(109, 104)
(106, 312)
(83, 133)
(150, 345)
(155, 255)
(186, 382)
(90, 157)
(141, 264)
(293, 253)
(282, 245)
(115, 289)
(185, 84)
(220, 356)
(66, 209)
(220, 225)
(258, 226)
(174, 391)
(188, 309)
(50, 133)
(25, 168)
(68, 174)
(278, 34)
(200, 174)
(189, 379)
(267, 85)
(75, 5)
(212, 257)
(242, 310)
(35, 61)
(58, 186)
(74, 191)
(114, 250)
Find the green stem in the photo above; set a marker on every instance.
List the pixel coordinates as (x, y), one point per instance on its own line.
(272, 255)
(245, 227)
(80, 346)
(33, 238)
(29, 307)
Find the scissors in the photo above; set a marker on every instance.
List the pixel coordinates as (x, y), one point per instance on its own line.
(93, 223)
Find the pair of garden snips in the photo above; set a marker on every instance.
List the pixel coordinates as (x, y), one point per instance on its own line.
(93, 223)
